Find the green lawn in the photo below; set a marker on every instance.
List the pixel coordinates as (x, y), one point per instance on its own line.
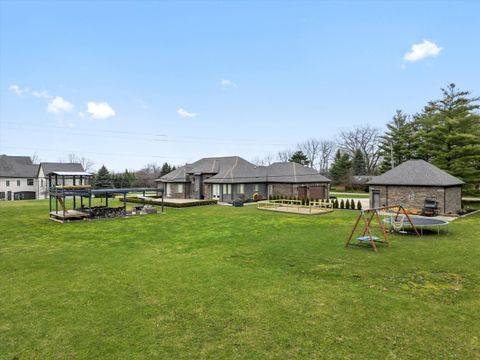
(222, 282)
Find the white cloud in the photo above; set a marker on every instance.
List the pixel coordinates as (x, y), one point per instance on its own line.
(59, 104)
(420, 51)
(228, 83)
(185, 114)
(18, 90)
(100, 110)
(41, 94)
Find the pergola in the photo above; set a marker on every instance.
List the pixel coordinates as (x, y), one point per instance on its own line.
(63, 185)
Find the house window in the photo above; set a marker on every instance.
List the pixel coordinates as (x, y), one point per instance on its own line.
(256, 187)
(227, 189)
(7, 183)
(19, 182)
(179, 188)
(41, 182)
(240, 189)
(30, 182)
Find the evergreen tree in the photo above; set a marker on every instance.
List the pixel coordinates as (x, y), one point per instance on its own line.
(300, 158)
(103, 178)
(399, 142)
(127, 179)
(449, 130)
(359, 164)
(341, 169)
(166, 168)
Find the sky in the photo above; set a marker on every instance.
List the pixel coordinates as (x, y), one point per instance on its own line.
(128, 83)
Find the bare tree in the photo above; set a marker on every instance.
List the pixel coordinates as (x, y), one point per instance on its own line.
(146, 176)
(311, 148)
(265, 161)
(86, 163)
(35, 158)
(326, 153)
(285, 155)
(363, 138)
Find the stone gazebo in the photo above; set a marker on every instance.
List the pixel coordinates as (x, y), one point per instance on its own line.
(411, 182)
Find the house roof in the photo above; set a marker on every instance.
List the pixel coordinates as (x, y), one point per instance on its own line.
(416, 172)
(237, 170)
(17, 166)
(178, 175)
(70, 173)
(290, 172)
(234, 169)
(50, 167)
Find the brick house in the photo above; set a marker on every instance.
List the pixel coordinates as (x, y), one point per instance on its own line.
(411, 182)
(229, 178)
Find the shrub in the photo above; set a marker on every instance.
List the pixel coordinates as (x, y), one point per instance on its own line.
(342, 204)
(359, 205)
(352, 204)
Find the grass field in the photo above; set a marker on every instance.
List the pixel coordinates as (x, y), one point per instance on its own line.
(222, 282)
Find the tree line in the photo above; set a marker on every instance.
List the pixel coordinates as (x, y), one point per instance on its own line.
(145, 177)
(446, 133)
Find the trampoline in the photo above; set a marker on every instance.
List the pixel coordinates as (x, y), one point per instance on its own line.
(419, 222)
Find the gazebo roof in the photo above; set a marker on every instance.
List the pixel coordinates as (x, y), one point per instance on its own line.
(416, 173)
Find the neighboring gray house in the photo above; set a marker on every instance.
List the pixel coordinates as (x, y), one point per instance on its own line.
(411, 182)
(228, 178)
(20, 179)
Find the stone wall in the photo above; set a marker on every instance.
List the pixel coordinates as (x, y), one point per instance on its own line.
(413, 197)
(283, 190)
(453, 199)
(173, 192)
(288, 190)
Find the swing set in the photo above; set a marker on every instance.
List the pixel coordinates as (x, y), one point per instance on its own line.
(366, 220)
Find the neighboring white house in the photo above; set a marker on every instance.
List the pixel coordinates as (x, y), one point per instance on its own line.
(20, 179)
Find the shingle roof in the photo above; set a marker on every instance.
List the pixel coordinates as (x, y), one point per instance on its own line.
(177, 175)
(290, 172)
(416, 172)
(49, 167)
(234, 169)
(237, 170)
(17, 166)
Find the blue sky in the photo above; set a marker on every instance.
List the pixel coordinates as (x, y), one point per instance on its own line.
(130, 83)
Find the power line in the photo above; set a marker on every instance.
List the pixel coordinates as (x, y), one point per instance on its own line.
(150, 137)
(90, 152)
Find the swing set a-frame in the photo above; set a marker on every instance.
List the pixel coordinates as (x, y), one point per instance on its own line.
(368, 217)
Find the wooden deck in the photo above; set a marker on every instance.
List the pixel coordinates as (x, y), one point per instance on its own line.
(69, 215)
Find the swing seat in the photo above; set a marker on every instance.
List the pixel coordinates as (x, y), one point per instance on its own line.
(367, 238)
